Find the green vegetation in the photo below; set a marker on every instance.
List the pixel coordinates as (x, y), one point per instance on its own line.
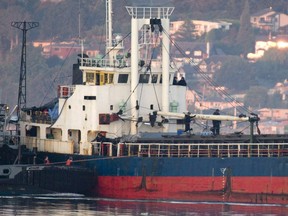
(245, 37)
(266, 72)
(59, 22)
(241, 76)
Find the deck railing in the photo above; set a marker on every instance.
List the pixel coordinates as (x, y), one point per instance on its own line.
(204, 150)
(103, 63)
(48, 145)
(219, 150)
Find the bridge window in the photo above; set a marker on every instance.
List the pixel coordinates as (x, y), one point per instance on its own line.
(161, 78)
(154, 78)
(6, 171)
(110, 78)
(144, 78)
(90, 78)
(99, 78)
(123, 78)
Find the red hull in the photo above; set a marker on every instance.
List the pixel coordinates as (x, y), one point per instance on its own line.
(241, 189)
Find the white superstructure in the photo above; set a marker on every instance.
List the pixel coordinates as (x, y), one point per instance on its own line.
(118, 93)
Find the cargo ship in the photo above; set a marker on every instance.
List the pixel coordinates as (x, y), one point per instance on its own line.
(125, 118)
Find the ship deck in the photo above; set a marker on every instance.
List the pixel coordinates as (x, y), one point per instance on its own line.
(227, 138)
(197, 146)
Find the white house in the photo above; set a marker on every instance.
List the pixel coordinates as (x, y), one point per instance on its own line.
(269, 20)
(200, 26)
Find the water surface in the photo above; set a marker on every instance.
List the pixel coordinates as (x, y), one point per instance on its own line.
(72, 205)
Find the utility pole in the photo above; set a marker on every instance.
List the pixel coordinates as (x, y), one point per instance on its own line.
(24, 26)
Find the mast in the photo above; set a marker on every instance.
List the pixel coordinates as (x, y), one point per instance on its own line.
(79, 32)
(134, 72)
(165, 64)
(109, 29)
(79, 21)
(112, 46)
(144, 16)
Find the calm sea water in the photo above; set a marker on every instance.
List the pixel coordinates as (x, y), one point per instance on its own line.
(64, 205)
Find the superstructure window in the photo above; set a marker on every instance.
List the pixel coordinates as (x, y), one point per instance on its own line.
(89, 97)
(90, 78)
(123, 78)
(154, 78)
(144, 78)
(161, 78)
(99, 78)
(105, 78)
(110, 78)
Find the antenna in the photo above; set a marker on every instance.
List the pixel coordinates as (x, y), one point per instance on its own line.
(79, 20)
(24, 26)
(109, 29)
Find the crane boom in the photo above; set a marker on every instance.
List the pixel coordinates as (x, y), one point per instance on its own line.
(204, 117)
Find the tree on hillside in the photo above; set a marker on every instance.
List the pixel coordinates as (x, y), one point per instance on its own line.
(225, 40)
(271, 68)
(232, 8)
(275, 101)
(245, 38)
(256, 97)
(276, 55)
(238, 74)
(235, 74)
(10, 36)
(59, 22)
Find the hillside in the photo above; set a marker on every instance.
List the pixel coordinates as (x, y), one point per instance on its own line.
(59, 22)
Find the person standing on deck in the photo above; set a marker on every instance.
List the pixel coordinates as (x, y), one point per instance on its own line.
(182, 82)
(216, 124)
(46, 160)
(69, 161)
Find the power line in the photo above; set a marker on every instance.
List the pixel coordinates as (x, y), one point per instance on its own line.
(210, 81)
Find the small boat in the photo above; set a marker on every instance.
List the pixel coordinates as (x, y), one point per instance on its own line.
(128, 121)
(27, 178)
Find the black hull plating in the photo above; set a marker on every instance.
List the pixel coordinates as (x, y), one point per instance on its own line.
(43, 180)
